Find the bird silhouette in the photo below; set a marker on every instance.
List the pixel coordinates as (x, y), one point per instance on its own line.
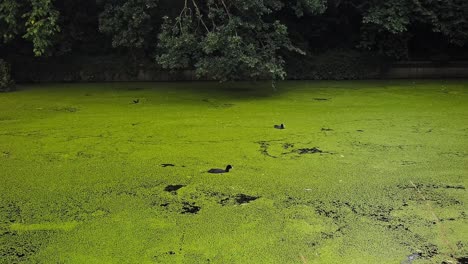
(279, 126)
(228, 167)
(136, 101)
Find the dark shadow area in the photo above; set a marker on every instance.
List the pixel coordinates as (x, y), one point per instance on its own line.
(173, 188)
(238, 199)
(190, 208)
(309, 150)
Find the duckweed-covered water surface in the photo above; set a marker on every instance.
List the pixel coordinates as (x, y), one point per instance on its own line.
(363, 172)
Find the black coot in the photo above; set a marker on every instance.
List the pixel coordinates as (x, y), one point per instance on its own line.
(228, 167)
(279, 126)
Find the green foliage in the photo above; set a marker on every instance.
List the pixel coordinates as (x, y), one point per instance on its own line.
(6, 84)
(41, 25)
(392, 16)
(227, 40)
(236, 39)
(311, 7)
(386, 24)
(448, 17)
(34, 20)
(128, 22)
(8, 20)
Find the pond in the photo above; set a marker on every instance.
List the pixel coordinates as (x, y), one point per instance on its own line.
(363, 172)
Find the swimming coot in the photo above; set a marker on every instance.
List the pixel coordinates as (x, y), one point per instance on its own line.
(228, 167)
(279, 126)
(136, 101)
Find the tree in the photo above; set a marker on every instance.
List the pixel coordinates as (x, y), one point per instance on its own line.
(387, 24)
(128, 22)
(33, 20)
(230, 40)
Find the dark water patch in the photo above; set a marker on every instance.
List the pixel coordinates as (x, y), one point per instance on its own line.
(324, 210)
(164, 204)
(408, 162)
(288, 145)
(190, 208)
(135, 124)
(164, 165)
(309, 150)
(321, 99)
(457, 187)
(463, 260)
(360, 130)
(237, 199)
(243, 198)
(173, 188)
(88, 94)
(264, 145)
(326, 129)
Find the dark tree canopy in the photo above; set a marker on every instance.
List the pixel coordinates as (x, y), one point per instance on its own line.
(235, 39)
(34, 20)
(229, 40)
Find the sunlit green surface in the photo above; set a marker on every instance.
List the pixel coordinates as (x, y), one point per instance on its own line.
(82, 181)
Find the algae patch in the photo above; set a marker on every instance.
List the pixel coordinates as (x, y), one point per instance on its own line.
(67, 226)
